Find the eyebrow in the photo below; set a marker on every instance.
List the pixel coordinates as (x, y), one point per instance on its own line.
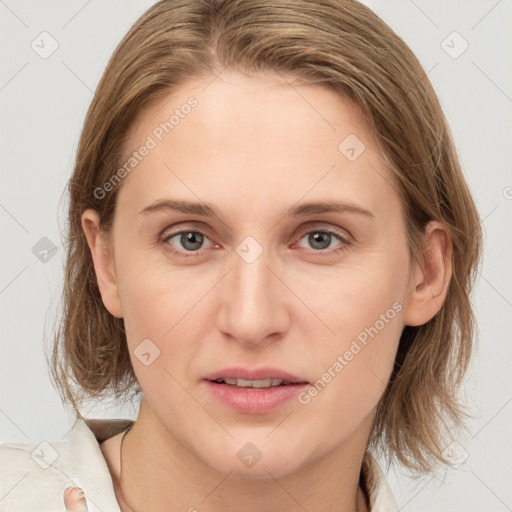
(301, 210)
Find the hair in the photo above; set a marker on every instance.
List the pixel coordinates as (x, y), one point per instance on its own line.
(342, 45)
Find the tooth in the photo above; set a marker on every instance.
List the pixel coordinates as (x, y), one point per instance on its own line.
(263, 383)
(260, 383)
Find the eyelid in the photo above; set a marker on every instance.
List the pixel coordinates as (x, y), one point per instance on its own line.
(304, 229)
(314, 226)
(184, 226)
(320, 226)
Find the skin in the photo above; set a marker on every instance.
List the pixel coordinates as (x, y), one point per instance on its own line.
(254, 147)
(74, 500)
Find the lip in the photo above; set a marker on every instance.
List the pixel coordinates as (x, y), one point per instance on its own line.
(254, 400)
(266, 372)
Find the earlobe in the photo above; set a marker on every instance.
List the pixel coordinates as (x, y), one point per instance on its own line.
(431, 281)
(103, 262)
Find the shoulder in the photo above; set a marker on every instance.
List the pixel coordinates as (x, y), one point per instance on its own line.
(32, 476)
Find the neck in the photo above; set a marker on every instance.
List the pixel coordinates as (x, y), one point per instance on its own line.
(159, 473)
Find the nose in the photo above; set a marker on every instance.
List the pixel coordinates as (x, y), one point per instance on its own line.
(254, 301)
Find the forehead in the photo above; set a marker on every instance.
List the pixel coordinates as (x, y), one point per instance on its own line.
(251, 110)
(265, 138)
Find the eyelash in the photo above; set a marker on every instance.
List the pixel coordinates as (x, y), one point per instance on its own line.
(345, 242)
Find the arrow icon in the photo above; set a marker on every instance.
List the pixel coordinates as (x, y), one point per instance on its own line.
(44, 249)
(351, 147)
(249, 253)
(454, 45)
(249, 455)
(146, 352)
(44, 455)
(44, 44)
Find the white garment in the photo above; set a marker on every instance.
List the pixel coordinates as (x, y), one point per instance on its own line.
(34, 477)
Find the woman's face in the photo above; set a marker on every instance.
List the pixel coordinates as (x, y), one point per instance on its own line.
(249, 276)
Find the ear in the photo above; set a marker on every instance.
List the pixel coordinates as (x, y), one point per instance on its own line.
(430, 281)
(103, 262)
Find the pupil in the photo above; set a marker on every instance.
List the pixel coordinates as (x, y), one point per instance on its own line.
(195, 239)
(316, 237)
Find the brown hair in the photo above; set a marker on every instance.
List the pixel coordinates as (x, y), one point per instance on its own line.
(337, 43)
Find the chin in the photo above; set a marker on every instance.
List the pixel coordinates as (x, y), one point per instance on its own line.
(260, 471)
(257, 460)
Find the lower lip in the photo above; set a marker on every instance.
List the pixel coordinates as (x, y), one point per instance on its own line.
(254, 400)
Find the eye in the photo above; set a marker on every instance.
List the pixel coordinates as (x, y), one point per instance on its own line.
(188, 241)
(322, 239)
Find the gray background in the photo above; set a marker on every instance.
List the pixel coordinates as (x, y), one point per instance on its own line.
(43, 104)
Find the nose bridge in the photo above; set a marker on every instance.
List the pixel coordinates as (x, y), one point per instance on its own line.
(252, 279)
(253, 306)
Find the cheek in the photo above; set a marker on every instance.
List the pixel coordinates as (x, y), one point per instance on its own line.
(155, 294)
(352, 372)
(162, 306)
(363, 309)
(358, 297)
(160, 317)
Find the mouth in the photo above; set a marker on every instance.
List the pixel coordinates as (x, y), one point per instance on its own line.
(256, 384)
(258, 378)
(254, 396)
(254, 390)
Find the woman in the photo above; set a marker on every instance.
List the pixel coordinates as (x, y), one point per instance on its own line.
(272, 242)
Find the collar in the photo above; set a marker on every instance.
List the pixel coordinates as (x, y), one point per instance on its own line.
(89, 465)
(376, 486)
(93, 474)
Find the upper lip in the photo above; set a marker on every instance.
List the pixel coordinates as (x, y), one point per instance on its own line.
(267, 372)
